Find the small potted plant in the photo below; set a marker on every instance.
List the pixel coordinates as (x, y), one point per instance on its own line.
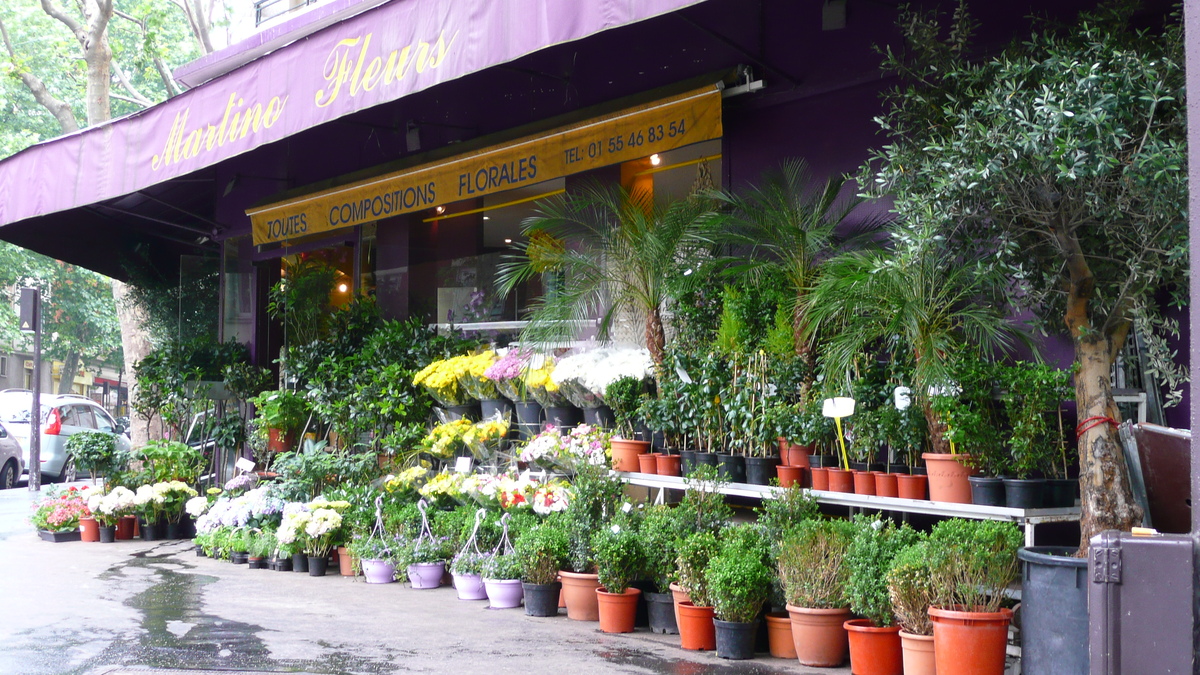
(321, 535)
(282, 413)
(624, 395)
(57, 516)
(738, 585)
(542, 551)
(110, 507)
(660, 531)
(594, 498)
(376, 557)
(875, 638)
(262, 544)
(424, 558)
(696, 629)
(502, 579)
(811, 569)
(96, 452)
(239, 545)
(1032, 393)
(911, 592)
(619, 559)
(973, 562)
(466, 568)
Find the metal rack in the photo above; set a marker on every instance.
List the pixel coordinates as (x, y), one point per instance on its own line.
(1026, 518)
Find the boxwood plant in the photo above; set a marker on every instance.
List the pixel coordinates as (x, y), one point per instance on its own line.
(738, 583)
(868, 559)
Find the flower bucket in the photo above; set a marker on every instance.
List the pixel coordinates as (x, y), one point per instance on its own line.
(864, 482)
(790, 475)
(125, 527)
(423, 576)
(678, 595)
(820, 478)
(378, 571)
(840, 480)
(648, 463)
(345, 562)
(911, 487)
(108, 534)
(503, 593)
(618, 611)
(660, 612)
(469, 587)
(735, 640)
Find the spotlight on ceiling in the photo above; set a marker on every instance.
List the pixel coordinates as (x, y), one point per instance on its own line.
(655, 160)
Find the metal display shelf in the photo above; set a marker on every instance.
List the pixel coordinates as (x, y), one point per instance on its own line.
(1027, 518)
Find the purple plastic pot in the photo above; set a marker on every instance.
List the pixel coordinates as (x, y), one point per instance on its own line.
(504, 593)
(469, 587)
(378, 571)
(426, 575)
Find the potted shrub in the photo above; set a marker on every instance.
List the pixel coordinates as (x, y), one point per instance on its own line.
(875, 638)
(502, 579)
(542, 551)
(696, 629)
(282, 413)
(619, 559)
(911, 592)
(813, 574)
(659, 530)
(1031, 394)
(738, 585)
(973, 562)
(262, 545)
(624, 395)
(239, 545)
(594, 498)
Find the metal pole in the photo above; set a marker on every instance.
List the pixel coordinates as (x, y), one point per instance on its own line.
(35, 411)
(1191, 13)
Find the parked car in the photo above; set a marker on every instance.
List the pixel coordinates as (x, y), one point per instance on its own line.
(60, 417)
(11, 462)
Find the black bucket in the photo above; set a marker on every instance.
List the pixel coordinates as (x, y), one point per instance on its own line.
(300, 563)
(732, 468)
(987, 491)
(529, 418)
(687, 461)
(1054, 611)
(490, 407)
(705, 459)
(564, 417)
(735, 640)
(469, 411)
(760, 470)
(1024, 493)
(600, 417)
(661, 607)
(1061, 492)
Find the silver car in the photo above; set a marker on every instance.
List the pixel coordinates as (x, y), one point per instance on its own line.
(11, 462)
(60, 416)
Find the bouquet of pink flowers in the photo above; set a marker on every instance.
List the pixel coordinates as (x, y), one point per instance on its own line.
(61, 510)
(508, 372)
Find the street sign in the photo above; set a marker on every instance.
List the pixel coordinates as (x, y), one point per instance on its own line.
(30, 309)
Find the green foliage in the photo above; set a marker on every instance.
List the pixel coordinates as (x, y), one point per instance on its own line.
(811, 563)
(543, 552)
(373, 548)
(171, 460)
(624, 396)
(502, 567)
(262, 544)
(1032, 394)
(469, 562)
(876, 544)
(660, 532)
(283, 409)
(180, 305)
(306, 473)
(301, 301)
(969, 411)
(695, 552)
(594, 499)
(96, 451)
(163, 377)
(619, 555)
(790, 507)
(738, 584)
(703, 507)
(911, 588)
(973, 561)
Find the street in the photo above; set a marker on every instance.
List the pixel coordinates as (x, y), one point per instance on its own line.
(149, 607)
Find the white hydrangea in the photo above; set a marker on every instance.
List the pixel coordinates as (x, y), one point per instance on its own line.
(196, 506)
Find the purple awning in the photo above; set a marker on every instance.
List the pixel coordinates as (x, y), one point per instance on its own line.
(378, 56)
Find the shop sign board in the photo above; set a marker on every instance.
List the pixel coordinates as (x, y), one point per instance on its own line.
(620, 137)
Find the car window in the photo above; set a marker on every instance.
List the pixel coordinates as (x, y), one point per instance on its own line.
(13, 409)
(84, 418)
(68, 417)
(104, 422)
(3, 432)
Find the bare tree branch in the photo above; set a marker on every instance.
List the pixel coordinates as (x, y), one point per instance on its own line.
(57, 107)
(136, 95)
(67, 20)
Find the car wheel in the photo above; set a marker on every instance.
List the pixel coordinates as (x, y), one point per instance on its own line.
(68, 474)
(8, 476)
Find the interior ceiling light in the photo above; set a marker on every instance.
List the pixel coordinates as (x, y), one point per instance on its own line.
(487, 217)
(655, 160)
(343, 288)
(508, 241)
(440, 210)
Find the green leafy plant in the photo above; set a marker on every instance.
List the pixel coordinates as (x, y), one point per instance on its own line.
(619, 556)
(660, 532)
(171, 460)
(911, 589)
(262, 544)
(624, 396)
(97, 452)
(502, 567)
(973, 562)
(372, 547)
(790, 507)
(543, 552)
(876, 543)
(703, 507)
(1032, 394)
(469, 562)
(695, 552)
(280, 409)
(738, 584)
(811, 563)
(302, 301)
(594, 499)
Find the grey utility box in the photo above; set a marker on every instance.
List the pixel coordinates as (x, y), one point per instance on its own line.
(1140, 604)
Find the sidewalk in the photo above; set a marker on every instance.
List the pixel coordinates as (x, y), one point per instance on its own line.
(90, 608)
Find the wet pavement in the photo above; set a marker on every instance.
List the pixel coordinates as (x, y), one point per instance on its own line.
(154, 607)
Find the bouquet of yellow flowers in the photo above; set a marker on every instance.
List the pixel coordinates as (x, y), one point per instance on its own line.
(471, 376)
(408, 479)
(540, 385)
(443, 488)
(441, 380)
(442, 441)
(484, 437)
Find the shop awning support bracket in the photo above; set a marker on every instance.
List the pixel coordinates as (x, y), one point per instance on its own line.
(217, 227)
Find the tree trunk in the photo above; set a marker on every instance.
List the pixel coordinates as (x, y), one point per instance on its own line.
(1107, 500)
(135, 343)
(66, 376)
(656, 339)
(937, 428)
(99, 69)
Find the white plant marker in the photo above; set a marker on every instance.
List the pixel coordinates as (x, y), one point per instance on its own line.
(837, 408)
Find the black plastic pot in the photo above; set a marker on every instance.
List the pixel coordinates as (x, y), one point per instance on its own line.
(541, 599)
(317, 567)
(987, 490)
(897, 468)
(529, 418)
(705, 459)
(600, 417)
(176, 530)
(563, 417)
(661, 607)
(687, 461)
(490, 407)
(919, 471)
(108, 534)
(732, 468)
(735, 640)
(239, 557)
(1025, 493)
(469, 411)
(299, 563)
(820, 461)
(760, 470)
(200, 553)
(1061, 492)
(283, 565)
(151, 531)
(257, 563)
(1054, 611)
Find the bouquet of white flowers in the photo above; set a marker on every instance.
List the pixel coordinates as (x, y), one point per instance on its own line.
(108, 508)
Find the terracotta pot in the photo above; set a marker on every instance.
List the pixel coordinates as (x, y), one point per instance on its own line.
(648, 463)
(668, 465)
(125, 527)
(345, 561)
(696, 628)
(819, 635)
(794, 454)
(874, 650)
(625, 453)
(579, 591)
(89, 529)
(948, 477)
(280, 441)
(678, 595)
(789, 475)
(886, 485)
(779, 635)
(840, 480)
(911, 487)
(969, 643)
(820, 478)
(618, 611)
(918, 654)
(864, 482)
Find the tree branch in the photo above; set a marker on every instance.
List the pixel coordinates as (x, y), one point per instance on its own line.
(67, 20)
(133, 92)
(57, 107)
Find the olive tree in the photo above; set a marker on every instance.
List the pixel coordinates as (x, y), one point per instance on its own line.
(1063, 158)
